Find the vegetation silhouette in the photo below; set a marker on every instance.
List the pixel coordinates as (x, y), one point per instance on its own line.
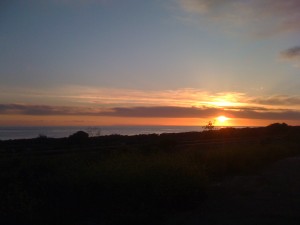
(209, 125)
(79, 135)
(141, 179)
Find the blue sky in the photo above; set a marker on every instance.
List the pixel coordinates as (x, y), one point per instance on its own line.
(79, 53)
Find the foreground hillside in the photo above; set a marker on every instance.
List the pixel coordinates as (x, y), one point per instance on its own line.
(268, 196)
(143, 179)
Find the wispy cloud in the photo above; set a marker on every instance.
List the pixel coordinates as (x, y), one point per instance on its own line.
(266, 17)
(278, 100)
(204, 6)
(181, 103)
(45, 110)
(110, 97)
(292, 55)
(89, 97)
(78, 1)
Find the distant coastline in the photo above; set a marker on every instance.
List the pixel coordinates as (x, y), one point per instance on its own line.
(27, 132)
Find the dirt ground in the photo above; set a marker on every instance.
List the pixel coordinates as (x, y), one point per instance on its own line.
(271, 196)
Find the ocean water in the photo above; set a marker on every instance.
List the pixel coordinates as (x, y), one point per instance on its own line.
(7, 133)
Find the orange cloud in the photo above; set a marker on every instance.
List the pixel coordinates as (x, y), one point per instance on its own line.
(135, 105)
(109, 97)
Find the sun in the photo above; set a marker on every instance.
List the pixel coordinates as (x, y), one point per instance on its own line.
(222, 119)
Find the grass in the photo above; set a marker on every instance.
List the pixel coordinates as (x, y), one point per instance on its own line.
(135, 186)
(123, 187)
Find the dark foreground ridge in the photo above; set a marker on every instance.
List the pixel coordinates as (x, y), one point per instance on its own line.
(184, 178)
(270, 196)
(80, 141)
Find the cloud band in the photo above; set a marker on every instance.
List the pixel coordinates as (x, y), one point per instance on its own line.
(151, 112)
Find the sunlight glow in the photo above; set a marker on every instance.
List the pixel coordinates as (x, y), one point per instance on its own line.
(227, 100)
(222, 103)
(222, 119)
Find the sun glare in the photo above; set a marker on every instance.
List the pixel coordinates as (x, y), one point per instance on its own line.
(222, 103)
(222, 119)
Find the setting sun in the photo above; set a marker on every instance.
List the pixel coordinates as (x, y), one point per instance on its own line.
(222, 119)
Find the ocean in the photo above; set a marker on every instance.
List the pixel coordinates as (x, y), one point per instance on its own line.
(7, 133)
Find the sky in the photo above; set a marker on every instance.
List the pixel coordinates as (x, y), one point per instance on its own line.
(149, 62)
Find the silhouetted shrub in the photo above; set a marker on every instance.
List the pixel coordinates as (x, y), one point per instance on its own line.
(42, 136)
(277, 127)
(79, 135)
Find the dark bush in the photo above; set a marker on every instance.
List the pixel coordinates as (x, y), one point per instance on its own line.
(79, 135)
(277, 128)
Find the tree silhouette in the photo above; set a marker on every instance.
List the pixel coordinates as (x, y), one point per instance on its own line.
(209, 125)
